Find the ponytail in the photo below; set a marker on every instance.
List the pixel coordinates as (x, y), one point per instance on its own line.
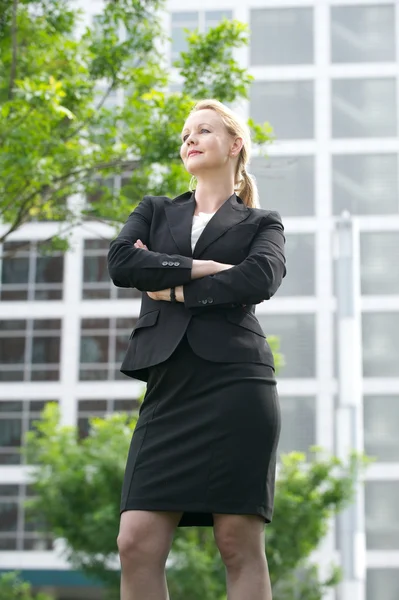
(247, 190)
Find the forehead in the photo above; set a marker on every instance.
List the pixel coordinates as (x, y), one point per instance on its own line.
(206, 115)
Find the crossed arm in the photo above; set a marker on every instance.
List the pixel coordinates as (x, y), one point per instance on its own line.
(197, 282)
(200, 268)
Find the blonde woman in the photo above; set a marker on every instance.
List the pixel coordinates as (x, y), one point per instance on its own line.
(203, 452)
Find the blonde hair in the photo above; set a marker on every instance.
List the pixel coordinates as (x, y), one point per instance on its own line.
(244, 185)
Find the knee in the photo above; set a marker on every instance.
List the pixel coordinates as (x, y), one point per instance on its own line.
(136, 548)
(231, 548)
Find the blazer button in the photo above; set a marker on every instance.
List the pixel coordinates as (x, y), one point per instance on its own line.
(176, 264)
(165, 263)
(205, 301)
(170, 263)
(209, 300)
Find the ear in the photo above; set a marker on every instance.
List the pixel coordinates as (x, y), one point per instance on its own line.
(237, 146)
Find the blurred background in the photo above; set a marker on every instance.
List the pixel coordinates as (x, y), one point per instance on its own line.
(326, 76)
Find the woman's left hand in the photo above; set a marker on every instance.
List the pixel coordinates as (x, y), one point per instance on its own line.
(165, 294)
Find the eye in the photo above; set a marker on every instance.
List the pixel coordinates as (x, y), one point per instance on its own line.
(203, 129)
(185, 137)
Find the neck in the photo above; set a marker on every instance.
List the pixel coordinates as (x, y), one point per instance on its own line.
(211, 194)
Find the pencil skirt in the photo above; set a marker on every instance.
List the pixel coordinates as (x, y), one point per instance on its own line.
(205, 441)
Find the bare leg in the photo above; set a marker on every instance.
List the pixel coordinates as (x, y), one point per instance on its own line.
(241, 543)
(144, 543)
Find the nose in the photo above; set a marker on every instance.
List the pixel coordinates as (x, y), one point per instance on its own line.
(191, 139)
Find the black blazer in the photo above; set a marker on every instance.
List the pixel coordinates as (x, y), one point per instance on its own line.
(218, 310)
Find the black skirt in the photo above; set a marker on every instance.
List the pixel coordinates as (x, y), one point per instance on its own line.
(205, 441)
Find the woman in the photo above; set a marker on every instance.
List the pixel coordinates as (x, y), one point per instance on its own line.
(204, 448)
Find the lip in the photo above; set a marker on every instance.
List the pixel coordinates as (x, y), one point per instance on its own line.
(193, 153)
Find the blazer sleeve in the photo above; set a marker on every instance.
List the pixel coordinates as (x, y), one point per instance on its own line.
(255, 279)
(144, 270)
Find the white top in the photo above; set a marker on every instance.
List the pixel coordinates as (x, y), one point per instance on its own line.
(199, 223)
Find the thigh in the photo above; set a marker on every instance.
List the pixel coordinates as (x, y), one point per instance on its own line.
(147, 531)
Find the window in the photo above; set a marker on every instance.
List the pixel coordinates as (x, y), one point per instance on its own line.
(286, 184)
(379, 262)
(16, 419)
(103, 344)
(298, 424)
(28, 274)
(382, 517)
(382, 584)
(287, 105)
(365, 184)
(364, 108)
(18, 529)
(192, 20)
(300, 256)
(100, 408)
(214, 17)
(363, 33)
(381, 416)
(281, 37)
(96, 280)
(380, 344)
(30, 350)
(297, 342)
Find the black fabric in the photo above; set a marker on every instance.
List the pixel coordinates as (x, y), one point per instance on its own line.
(218, 310)
(205, 441)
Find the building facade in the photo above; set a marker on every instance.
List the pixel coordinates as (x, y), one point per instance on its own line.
(326, 76)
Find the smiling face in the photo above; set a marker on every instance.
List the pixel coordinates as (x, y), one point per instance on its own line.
(206, 143)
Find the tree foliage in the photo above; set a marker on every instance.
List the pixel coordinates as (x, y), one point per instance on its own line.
(61, 132)
(13, 588)
(78, 482)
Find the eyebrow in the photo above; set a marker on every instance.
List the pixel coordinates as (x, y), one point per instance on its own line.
(199, 125)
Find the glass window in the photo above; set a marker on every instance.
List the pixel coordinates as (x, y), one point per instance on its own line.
(30, 350)
(382, 517)
(213, 17)
(88, 409)
(190, 21)
(382, 584)
(379, 262)
(281, 37)
(97, 284)
(18, 531)
(17, 417)
(364, 108)
(365, 184)
(28, 274)
(300, 256)
(285, 184)
(180, 22)
(297, 342)
(380, 344)
(298, 424)
(287, 105)
(363, 33)
(381, 417)
(103, 344)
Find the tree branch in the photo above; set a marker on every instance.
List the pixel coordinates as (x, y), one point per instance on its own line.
(25, 206)
(13, 71)
(17, 124)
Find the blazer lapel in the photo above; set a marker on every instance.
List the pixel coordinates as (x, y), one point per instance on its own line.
(179, 214)
(232, 212)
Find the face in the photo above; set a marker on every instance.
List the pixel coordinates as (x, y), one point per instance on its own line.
(206, 144)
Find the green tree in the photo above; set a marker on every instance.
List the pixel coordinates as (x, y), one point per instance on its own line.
(13, 588)
(78, 482)
(59, 136)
